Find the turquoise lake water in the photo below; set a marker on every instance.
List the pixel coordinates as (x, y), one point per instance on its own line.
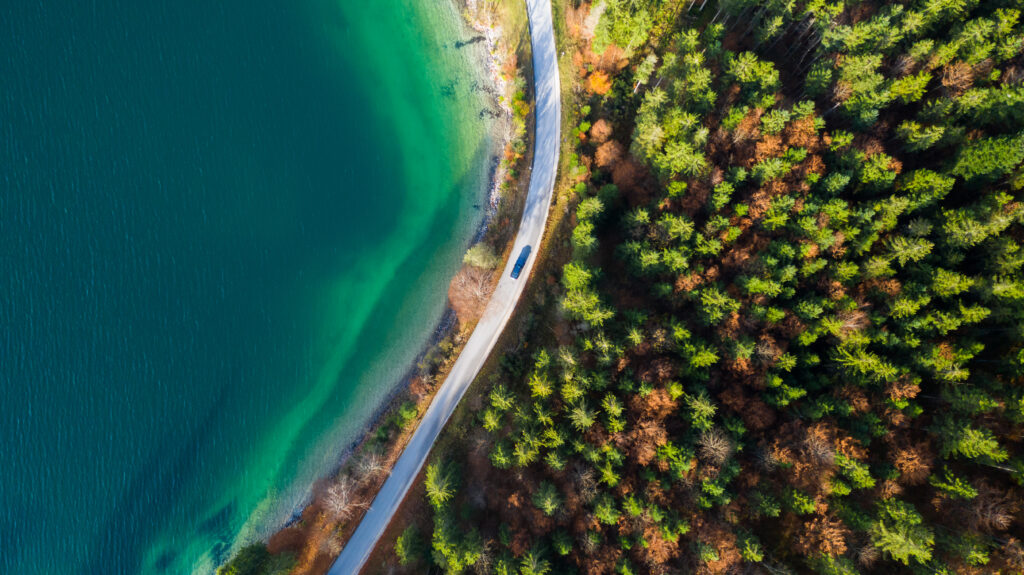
(226, 230)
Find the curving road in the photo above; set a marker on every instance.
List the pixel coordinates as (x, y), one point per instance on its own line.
(542, 181)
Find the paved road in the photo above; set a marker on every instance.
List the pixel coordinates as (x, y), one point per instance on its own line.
(499, 310)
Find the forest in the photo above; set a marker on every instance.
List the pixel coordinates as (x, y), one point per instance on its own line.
(785, 330)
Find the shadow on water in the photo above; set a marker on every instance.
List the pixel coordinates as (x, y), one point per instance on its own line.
(473, 40)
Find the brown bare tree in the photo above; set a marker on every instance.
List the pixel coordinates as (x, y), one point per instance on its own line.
(370, 465)
(715, 446)
(340, 501)
(601, 131)
(469, 292)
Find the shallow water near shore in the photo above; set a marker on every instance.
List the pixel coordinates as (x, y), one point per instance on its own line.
(227, 232)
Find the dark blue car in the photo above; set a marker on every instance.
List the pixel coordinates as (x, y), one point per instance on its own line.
(520, 262)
